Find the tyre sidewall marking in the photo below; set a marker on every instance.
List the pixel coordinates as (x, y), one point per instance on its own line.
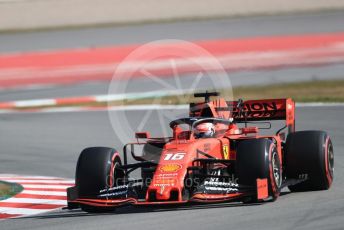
(272, 178)
(327, 170)
(112, 167)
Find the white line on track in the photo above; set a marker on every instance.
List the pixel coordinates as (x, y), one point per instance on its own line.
(11, 176)
(45, 186)
(44, 193)
(33, 103)
(70, 182)
(319, 104)
(21, 211)
(35, 201)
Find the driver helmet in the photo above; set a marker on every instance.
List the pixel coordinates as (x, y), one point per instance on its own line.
(204, 130)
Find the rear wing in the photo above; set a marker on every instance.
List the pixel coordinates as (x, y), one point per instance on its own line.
(251, 110)
(267, 109)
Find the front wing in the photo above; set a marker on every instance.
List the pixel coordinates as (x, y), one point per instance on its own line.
(211, 192)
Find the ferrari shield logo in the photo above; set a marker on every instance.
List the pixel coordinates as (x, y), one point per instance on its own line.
(225, 152)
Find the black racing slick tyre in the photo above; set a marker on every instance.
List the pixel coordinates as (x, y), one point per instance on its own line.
(259, 158)
(96, 170)
(310, 156)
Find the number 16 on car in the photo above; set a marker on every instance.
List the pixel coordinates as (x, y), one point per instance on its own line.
(174, 156)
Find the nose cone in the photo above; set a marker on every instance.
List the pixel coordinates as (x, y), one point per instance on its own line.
(168, 179)
(163, 193)
(165, 188)
(168, 182)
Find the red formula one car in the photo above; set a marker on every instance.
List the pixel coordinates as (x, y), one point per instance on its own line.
(215, 155)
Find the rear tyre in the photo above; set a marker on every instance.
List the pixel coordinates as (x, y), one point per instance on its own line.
(310, 156)
(97, 169)
(258, 158)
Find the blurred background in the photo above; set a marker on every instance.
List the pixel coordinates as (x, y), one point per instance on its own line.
(71, 48)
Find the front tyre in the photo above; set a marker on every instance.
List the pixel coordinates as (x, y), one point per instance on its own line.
(97, 169)
(259, 158)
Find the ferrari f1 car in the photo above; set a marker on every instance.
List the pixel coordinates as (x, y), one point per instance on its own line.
(216, 154)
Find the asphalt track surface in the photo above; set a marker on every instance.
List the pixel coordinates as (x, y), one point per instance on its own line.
(311, 23)
(49, 144)
(326, 22)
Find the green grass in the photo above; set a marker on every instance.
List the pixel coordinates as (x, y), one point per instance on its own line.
(315, 91)
(8, 190)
